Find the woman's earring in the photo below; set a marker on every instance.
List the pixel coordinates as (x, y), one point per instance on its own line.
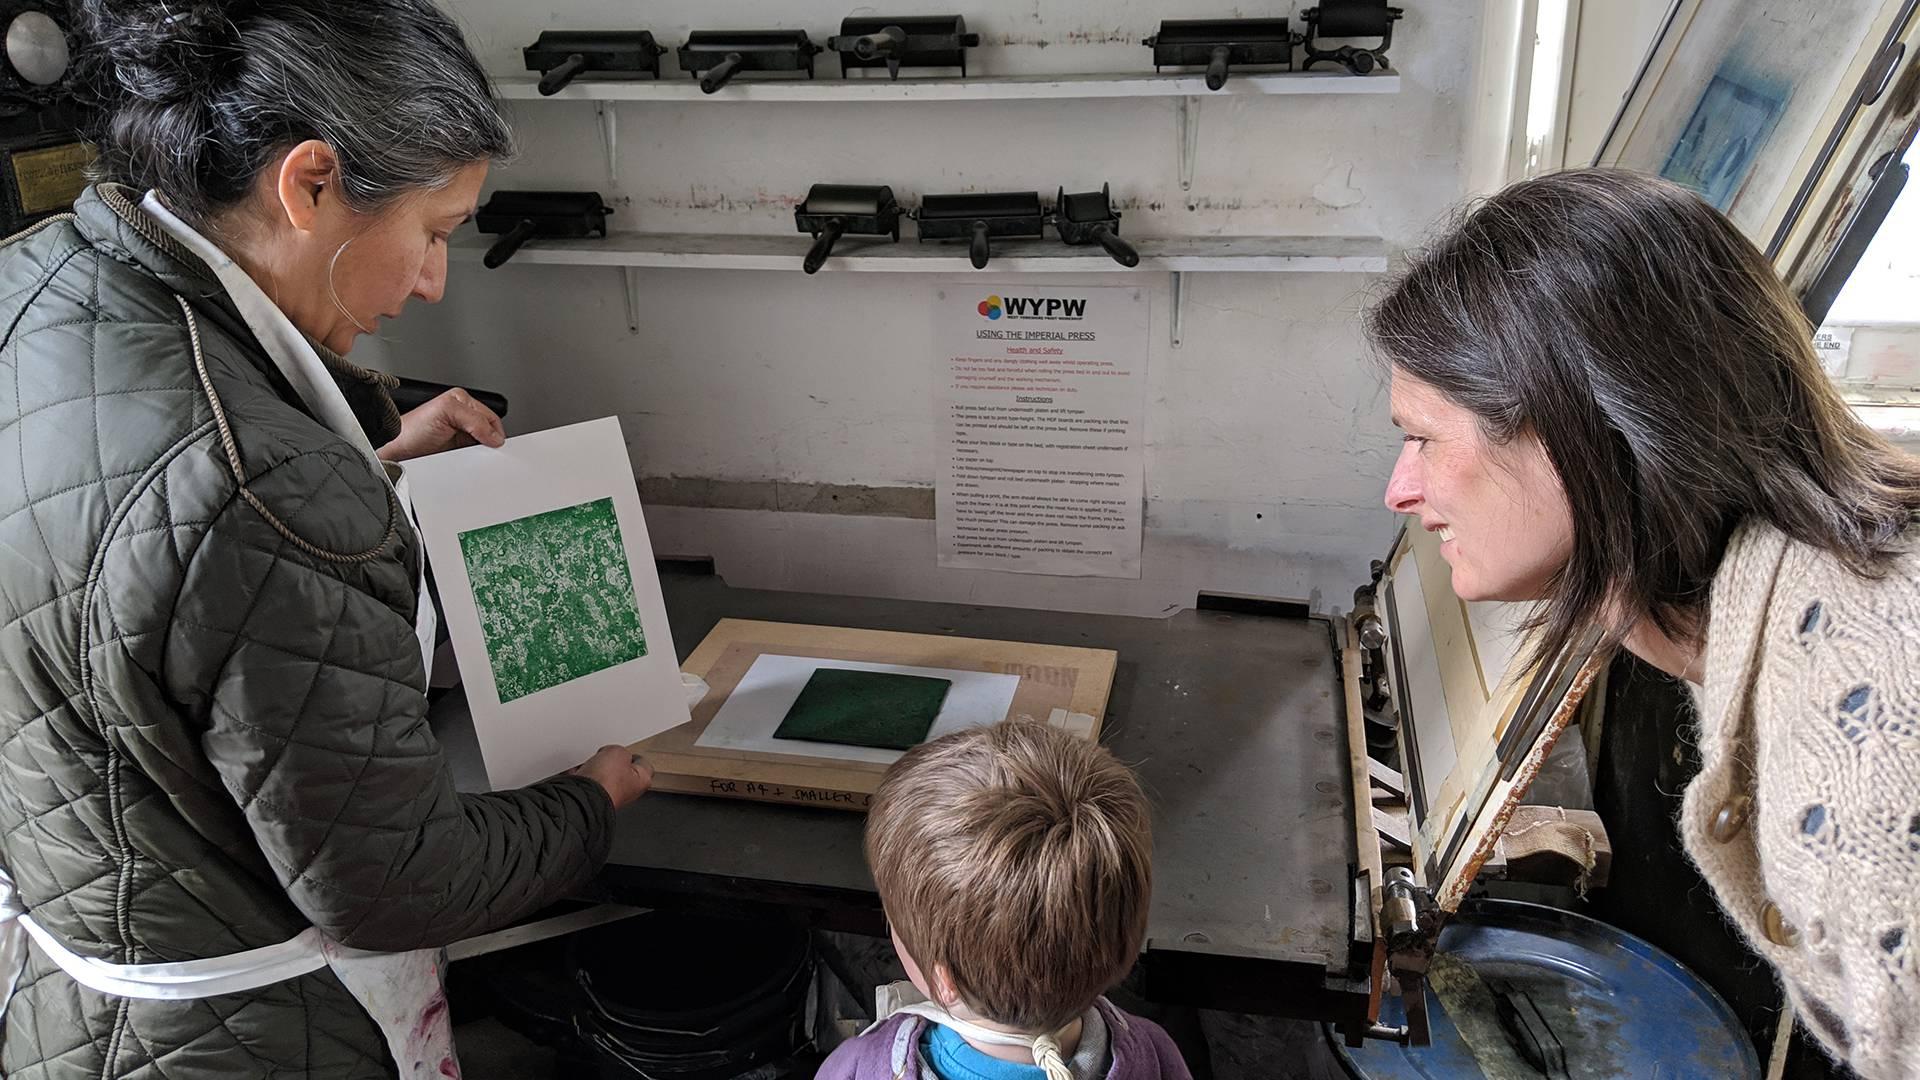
(335, 293)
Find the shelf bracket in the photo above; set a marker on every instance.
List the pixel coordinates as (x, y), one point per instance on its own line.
(610, 139)
(1187, 111)
(1179, 297)
(631, 274)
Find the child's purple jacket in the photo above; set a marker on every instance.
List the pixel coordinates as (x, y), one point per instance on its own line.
(1141, 1050)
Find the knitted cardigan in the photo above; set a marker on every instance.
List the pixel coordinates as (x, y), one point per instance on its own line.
(1805, 817)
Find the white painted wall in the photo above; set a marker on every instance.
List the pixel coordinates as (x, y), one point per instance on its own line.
(1269, 442)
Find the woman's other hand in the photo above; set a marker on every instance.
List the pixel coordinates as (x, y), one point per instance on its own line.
(624, 774)
(448, 422)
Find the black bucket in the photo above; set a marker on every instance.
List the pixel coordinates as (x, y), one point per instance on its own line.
(693, 998)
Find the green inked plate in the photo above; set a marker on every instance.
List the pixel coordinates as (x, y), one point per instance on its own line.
(879, 709)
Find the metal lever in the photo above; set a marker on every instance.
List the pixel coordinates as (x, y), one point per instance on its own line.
(1217, 67)
(553, 81)
(978, 250)
(823, 245)
(503, 249)
(1409, 914)
(718, 75)
(1122, 252)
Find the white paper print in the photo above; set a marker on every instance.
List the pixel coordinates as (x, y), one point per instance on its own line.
(756, 707)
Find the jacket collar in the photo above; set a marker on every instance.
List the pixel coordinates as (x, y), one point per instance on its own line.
(108, 215)
(905, 1063)
(1736, 623)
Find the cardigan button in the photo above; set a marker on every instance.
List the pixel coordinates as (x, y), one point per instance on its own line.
(1730, 819)
(1778, 929)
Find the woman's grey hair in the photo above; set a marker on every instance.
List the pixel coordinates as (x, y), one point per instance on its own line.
(194, 99)
(1669, 376)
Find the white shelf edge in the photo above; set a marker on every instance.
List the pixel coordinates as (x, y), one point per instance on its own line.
(976, 88)
(665, 251)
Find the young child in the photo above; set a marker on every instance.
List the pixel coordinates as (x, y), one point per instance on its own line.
(1015, 864)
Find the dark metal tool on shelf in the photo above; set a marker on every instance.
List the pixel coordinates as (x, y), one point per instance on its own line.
(716, 56)
(1221, 44)
(1089, 218)
(519, 216)
(928, 41)
(977, 217)
(1349, 19)
(835, 210)
(560, 56)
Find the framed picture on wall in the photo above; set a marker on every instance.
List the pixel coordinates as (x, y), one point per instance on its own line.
(1732, 122)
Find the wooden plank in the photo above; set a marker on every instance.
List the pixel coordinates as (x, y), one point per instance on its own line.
(1392, 828)
(1367, 853)
(1063, 685)
(1386, 777)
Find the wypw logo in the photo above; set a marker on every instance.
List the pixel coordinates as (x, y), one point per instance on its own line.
(1032, 307)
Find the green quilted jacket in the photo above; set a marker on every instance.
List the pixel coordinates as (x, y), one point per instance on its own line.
(212, 721)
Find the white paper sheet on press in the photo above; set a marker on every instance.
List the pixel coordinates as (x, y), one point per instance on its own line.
(770, 687)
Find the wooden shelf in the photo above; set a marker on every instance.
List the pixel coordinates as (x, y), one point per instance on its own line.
(978, 88)
(633, 252)
(1224, 254)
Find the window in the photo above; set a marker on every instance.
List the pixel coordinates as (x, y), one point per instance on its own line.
(1870, 340)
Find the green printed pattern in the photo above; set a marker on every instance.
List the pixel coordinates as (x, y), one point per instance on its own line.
(555, 597)
(880, 709)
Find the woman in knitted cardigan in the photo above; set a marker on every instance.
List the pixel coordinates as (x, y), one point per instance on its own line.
(1611, 406)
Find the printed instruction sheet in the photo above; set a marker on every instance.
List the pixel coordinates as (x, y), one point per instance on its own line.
(1039, 400)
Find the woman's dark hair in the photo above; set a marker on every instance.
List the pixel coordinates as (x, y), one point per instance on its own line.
(194, 99)
(1668, 374)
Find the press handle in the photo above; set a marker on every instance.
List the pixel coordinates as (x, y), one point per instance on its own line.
(1122, 252)
(978, 251)
(823, 246)
(552, 82)
(1217, 68)
(719, 74)
(504, 248)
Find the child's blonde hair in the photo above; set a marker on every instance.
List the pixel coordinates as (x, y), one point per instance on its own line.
(1019, 858)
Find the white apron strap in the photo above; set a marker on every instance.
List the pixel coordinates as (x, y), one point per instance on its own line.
(402, 992)
(13, 941)
(186, 980)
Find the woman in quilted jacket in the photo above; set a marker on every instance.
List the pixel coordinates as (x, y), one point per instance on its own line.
(213, 731)
(1612, 406)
